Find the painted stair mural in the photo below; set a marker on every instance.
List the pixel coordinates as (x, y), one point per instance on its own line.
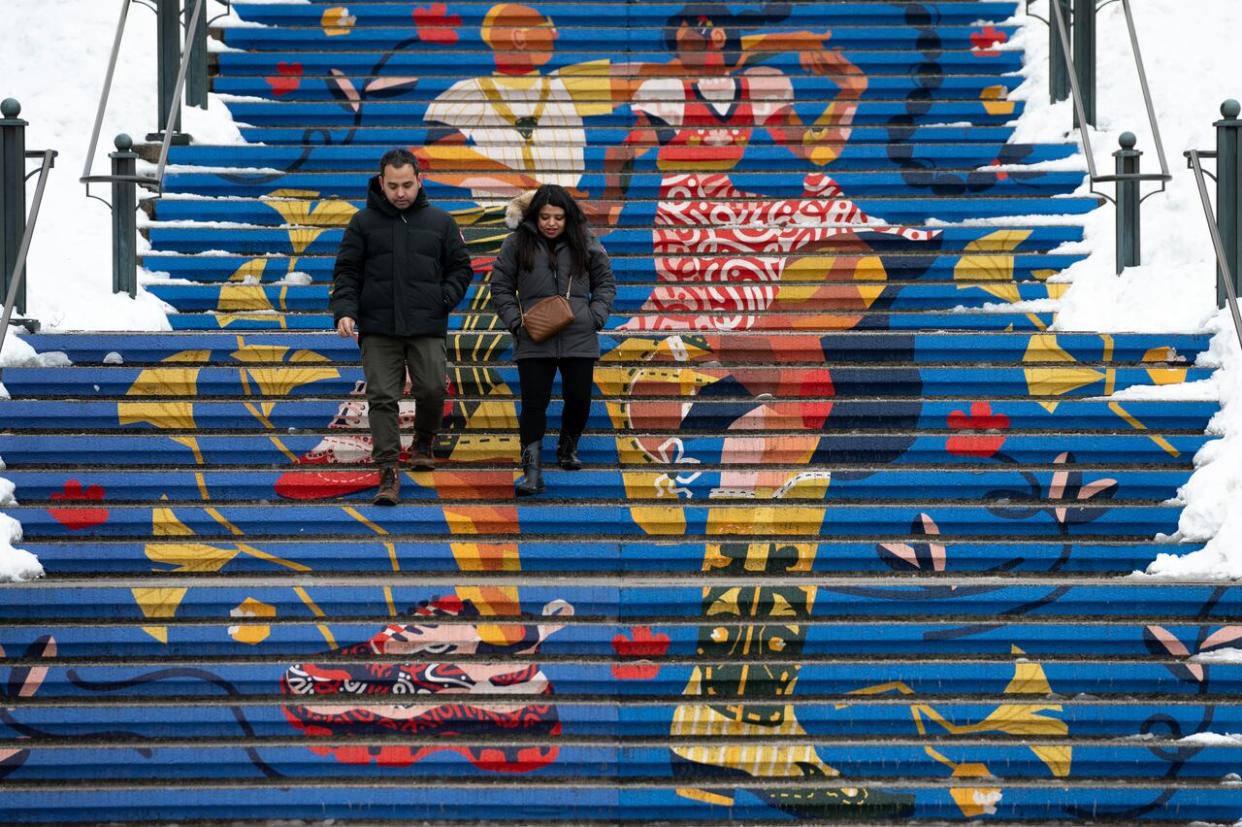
(854, 538)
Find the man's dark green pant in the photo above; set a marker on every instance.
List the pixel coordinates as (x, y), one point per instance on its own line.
(384, 362)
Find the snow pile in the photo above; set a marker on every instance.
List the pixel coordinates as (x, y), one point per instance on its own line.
(58, 82)
(16, 565)
(1191, 71)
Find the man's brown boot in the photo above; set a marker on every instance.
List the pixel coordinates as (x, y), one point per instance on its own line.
(389, 488)
(422, 454)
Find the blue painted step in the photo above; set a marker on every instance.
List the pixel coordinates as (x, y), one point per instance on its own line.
(542, 803)
(574, 41)
(620, 244)
(1149, 688)
(276, 269)
(389, 113)
(854, 156)
(502, 450)
(801, 297)
(810, 88)
(729, 347)
(989, 321)
(573, 520)
(255, 484)
(413, 557)
(642, 213)
(888, 762)
(1056, 642)
(641, 185)
(416, 135)
(1161, 418)
(932, 60)
(321, 379)
(570, 14)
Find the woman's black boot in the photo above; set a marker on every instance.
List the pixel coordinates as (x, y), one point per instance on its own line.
(567, 453)
(531, 482)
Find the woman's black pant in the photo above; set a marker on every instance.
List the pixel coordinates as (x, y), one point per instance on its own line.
(535, 376)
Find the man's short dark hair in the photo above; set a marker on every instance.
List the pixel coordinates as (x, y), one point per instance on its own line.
(398, 158)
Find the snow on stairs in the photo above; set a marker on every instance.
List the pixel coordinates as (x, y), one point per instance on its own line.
(854, 535)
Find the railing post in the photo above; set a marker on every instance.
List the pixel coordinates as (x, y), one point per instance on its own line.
(1084, 56)
(1129, 226)
(124, 218)
(196, 83)
(1229, 190)
(168, 58)
(1058, 75)
(12, 194)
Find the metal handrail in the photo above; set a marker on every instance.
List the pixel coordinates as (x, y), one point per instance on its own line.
(155, 181)
(1224, 272)
(19, 269)
(1164, 176)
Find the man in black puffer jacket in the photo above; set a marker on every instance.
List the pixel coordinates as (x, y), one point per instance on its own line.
(401, 269)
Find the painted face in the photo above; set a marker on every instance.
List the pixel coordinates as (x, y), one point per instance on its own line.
(551, 221)
(700, 43)
(401, 185)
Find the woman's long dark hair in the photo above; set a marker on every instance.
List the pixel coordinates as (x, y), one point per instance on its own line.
(577, 233)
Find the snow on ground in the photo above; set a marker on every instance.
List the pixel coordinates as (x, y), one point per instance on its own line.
(1191, 70)
(58, 82)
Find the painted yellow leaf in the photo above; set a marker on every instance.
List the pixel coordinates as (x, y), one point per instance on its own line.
(164, 523)
(159, 604)
(976, 801)
(227, 320)
(1059, 381)
(280, 381)
(190, 557)
(299, 207)
(165, 382)
(1044, 347)
(252, 270)
(1058, 759)
(235, 297)
(660, 520)
(173, 416)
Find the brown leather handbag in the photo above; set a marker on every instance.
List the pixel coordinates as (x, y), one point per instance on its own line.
(547, 317)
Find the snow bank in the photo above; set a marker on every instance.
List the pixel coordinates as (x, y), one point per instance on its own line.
(58, 83)
(1175, 289)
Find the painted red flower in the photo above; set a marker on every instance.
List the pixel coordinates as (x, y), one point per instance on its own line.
(640, 644)
(981, 42)
(287, 79)
(972, 443)
(76, 519)
(436, 25)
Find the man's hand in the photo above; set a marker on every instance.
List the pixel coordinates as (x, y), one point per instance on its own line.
(345, 328)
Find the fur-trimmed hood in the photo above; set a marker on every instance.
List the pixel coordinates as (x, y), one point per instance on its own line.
(517, 209)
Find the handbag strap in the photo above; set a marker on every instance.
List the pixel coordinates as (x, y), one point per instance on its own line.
(568, 287)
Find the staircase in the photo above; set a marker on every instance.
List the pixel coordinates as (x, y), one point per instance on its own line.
(854, 538)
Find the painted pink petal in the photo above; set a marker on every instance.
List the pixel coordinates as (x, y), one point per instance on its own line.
(930, 528)
(1221, 638)
(389, 84)
(1056, 489)
(1091, 489)
(902, 552)
(1169, 641)
(347, 88)
(939, 556)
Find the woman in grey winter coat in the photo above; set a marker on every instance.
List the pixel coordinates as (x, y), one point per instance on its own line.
(550, 252)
